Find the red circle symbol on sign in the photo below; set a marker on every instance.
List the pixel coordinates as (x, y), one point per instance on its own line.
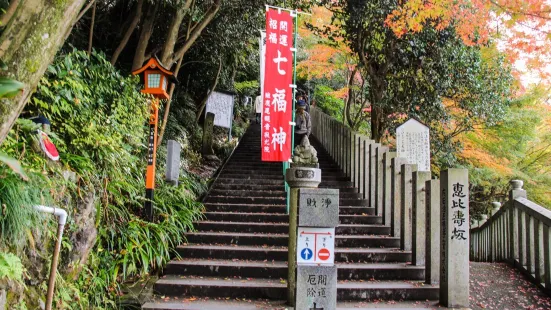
(323, 254)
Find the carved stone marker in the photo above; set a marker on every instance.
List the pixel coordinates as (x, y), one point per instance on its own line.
(316, 287)
(454, 256)
(318, 207)
(173, 162)
(413, 144)
(208, 127)
(303, 177)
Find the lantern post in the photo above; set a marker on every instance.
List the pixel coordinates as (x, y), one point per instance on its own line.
(156, 80)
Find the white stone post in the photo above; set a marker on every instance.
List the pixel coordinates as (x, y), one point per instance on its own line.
(406, 205)
(396, 194)
(432, 271)
(514, 218)
(379, 179)
(372, 176)
(454, 276)
(419, 217)
(387, 183)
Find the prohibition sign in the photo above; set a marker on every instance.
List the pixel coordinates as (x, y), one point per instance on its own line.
(324, 254)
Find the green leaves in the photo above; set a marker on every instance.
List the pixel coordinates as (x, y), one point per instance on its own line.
(9, 88)
(14, 165)
(11, 267)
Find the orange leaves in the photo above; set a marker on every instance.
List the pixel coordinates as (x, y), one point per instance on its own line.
(522, 28)
(325, 57)
(479, 157)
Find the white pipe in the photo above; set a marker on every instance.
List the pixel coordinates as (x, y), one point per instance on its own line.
(60, 213)
(61, 218)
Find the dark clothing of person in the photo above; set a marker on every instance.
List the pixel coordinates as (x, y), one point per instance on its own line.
(298, 139)
(258, 116)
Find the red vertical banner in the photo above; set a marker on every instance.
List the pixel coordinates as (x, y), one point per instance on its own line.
(278, 95)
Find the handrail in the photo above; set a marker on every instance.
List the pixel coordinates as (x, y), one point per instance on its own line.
(517, 233)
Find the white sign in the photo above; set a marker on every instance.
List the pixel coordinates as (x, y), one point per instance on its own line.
(221, 105)
(413, 144)
(316, 246)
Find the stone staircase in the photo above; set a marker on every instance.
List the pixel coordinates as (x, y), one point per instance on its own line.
(239, 250)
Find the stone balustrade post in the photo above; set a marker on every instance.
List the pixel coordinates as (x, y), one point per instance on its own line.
(514, 218)
(372, 176)
(454, 276)
(387, 183)
(379, 179)
(419, 217)
(396, 194)
(406, 182)
(432, 200)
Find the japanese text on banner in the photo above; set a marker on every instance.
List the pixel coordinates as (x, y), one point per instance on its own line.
(277, 96)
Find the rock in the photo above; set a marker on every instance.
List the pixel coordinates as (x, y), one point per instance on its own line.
(84, 238)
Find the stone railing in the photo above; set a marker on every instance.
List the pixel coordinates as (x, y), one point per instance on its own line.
(518, 233)
(413, 205)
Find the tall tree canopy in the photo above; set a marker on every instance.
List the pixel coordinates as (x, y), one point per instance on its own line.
(412, 73)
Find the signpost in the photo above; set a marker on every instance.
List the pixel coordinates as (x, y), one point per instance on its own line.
(221, 105)
(316, 271)
(320, 242)
(413, 144)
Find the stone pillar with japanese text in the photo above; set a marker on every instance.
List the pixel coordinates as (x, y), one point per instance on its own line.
(316, 271)
(454, 259)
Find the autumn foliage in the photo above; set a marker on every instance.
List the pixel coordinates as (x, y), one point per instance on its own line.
(520, 28)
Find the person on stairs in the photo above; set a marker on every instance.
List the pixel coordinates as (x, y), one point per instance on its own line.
(303, 123)
(258, 108)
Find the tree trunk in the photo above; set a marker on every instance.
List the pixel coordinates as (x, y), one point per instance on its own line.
(209, 16)
(375, 123)
(91, 35)
(172, 34)
(5, 19)
(28, 45)
(204, 102)
(145, 35)
(128, 33)
(167, 106)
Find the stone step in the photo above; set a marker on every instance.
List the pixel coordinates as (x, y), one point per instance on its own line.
(366, 226)
(262, 304)
(279, 253)
(272, 199)
(253, 177)
(260, 192)
(225, 207)
(249, 187)
(257, 208)
(259, 239)
(248, 193)
(276, 289)
(225, 180)
(278, 270)
(257, 173)
(249, 217)
(247, 200)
